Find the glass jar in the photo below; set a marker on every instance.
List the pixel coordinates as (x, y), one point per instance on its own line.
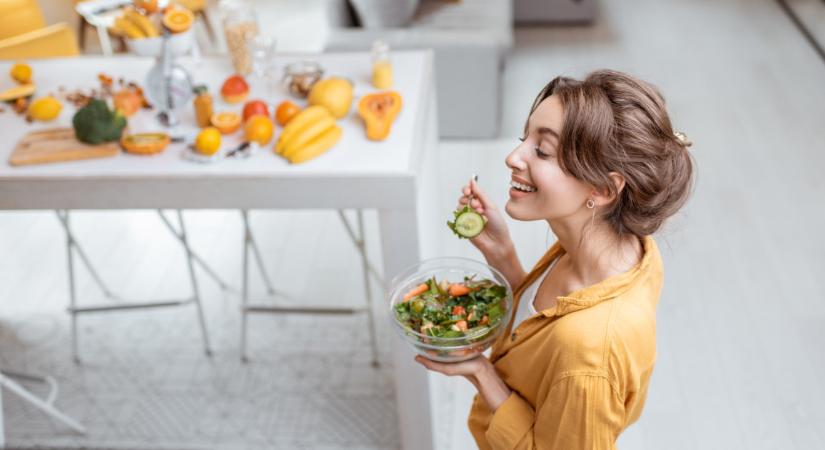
(240, 27)
(381, 65)
(300, 76)
(263, 50)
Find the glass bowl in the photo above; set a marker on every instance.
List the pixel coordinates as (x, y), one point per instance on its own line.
(452, 269)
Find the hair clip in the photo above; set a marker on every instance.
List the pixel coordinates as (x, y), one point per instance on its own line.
(682, 138)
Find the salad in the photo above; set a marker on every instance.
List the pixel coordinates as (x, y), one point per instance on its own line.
(471, 309)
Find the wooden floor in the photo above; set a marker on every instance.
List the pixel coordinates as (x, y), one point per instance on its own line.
(741, 323)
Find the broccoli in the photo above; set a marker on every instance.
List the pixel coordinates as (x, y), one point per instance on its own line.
(96, 123)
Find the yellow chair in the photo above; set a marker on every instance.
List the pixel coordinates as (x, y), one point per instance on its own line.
(19, 16)
(24, 34)
(49, 42)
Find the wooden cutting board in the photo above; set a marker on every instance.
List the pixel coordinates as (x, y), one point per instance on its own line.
(56, 145)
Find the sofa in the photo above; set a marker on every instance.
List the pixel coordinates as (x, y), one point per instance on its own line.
(470, 40)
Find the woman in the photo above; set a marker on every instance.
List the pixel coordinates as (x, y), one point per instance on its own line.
(600, 162)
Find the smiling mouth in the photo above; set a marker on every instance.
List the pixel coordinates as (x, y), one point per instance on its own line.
(522, 187)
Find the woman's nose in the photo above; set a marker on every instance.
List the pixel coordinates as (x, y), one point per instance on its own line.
(514, 160)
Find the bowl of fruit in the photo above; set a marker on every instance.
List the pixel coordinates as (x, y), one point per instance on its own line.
(450, 309)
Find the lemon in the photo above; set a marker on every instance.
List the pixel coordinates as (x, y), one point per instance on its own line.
(21, 73)
(208, 141)
(45, 108)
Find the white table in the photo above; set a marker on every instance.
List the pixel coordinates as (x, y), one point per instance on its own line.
(396, 177)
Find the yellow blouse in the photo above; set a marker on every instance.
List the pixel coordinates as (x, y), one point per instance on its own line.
(579, 371)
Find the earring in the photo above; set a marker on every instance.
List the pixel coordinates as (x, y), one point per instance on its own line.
(590, 203)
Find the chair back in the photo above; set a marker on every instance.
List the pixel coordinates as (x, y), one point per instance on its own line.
(19, 16)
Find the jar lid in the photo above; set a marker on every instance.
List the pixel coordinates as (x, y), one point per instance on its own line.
(380, 46)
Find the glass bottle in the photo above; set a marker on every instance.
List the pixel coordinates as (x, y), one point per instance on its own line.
(203, 106)
(381, 65)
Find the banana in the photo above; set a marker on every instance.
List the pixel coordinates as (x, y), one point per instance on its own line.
(142, 22)
(299, 122)
(128, 28)
(305, 136)
(317, 146)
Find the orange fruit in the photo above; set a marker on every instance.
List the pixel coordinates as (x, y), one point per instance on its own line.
(259, 129)
(178, 19)
(226, 122)
(286, 111)
(149, 6)
(208, 141)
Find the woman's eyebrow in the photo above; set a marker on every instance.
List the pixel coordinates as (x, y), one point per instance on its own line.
(550, 131)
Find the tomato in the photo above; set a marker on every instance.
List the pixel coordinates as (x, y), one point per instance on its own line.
(254, 108)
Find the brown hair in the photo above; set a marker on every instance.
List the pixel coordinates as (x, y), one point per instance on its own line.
(614, 122)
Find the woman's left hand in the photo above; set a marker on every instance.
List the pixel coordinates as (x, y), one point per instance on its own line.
(479, 371)
(469, 368)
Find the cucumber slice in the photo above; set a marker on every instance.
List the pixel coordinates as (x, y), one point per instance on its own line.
(468, 223)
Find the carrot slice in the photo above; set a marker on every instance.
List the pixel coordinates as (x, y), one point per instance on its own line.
(420, 289)
(458, 290)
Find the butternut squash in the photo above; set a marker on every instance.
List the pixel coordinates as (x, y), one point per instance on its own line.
(378, 111)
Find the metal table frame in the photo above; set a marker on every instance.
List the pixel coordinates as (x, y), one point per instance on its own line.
(252, 308)
(73, 246)
(47, 405)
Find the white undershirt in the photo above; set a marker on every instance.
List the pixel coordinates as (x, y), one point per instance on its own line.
(526, 308)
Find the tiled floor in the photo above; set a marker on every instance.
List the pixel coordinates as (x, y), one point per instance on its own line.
(740, 320)
(145, 382)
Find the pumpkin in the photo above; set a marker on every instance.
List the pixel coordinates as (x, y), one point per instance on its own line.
(379, 111)
(144, 143)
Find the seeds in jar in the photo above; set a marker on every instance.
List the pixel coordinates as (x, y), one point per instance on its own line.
(238, 36)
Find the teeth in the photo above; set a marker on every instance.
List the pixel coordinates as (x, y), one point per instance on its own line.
(522, 187)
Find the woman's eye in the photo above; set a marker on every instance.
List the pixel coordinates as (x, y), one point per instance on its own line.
(540, 153)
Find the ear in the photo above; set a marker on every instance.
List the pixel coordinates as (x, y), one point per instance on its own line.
(603, 197)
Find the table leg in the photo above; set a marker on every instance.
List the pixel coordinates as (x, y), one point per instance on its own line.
(75, 247)
(365, 268)
(358, 240)
(209, 271)
(64, 220)
(253, 244)
(195, 291)
(400, 249)
(247, 236)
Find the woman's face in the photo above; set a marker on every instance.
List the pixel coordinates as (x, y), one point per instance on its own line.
(555, 195)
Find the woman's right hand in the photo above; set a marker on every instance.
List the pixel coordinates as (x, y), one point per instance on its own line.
(494, 240)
